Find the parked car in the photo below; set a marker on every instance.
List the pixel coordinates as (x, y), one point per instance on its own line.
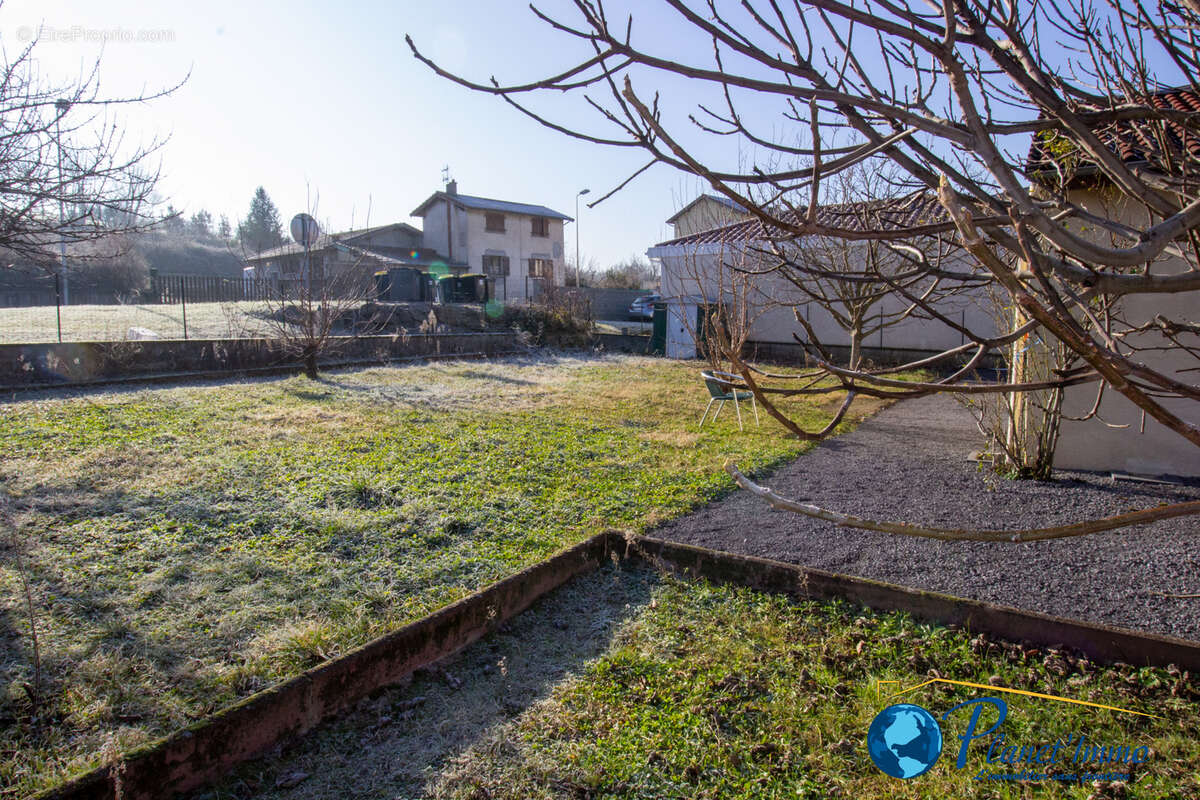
(643, 307)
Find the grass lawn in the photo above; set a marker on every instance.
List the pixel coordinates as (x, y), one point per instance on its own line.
(185, 547)
(89, 323)
(727, 693)
(629, 684)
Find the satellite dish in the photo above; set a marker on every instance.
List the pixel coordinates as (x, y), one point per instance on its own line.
(305, 230)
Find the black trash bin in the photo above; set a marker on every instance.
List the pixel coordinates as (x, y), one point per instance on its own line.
(398, 285)
(463, 288)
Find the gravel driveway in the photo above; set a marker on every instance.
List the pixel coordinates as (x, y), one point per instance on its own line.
(909, 463)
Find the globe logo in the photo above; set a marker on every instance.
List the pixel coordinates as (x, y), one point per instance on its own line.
(904, 740)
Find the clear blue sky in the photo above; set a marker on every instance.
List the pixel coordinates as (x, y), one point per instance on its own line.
(327, 99)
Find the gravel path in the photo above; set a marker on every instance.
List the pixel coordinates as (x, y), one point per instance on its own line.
(909, 463)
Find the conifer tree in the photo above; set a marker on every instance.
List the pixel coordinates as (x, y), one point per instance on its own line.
(261, 229)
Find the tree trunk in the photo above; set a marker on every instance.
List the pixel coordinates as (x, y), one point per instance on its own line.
(856, 336)
(310, 363)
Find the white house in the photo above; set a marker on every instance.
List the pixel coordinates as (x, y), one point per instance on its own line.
(702, 267)
(517, 245)
(1110, 431)
(1119, 437)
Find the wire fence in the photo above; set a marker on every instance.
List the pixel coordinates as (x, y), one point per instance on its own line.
(206, 307)
(170, 307)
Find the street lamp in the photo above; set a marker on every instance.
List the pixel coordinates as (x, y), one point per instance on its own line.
(578, 266)
(61, 106)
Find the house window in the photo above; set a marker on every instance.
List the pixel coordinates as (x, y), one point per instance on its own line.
(541, 268)
(496, 266)
(493, 222)
(541, 226)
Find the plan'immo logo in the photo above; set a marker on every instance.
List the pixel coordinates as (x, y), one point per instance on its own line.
(905, 741)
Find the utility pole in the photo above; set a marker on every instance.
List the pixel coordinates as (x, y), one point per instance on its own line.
(61, 106)
(578, 266)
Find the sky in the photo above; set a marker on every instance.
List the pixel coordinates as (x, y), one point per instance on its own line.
(324, 105)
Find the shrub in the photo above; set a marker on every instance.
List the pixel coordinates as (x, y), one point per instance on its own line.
(559, 317)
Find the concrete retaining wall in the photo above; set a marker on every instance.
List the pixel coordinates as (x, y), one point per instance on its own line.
(37, 365)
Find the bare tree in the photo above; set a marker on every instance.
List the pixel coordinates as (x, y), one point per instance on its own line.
(588, 275)
(1021, 428)
(634, 272)
(952, 94)
(319, 313)
(867, 286)
(68, 176)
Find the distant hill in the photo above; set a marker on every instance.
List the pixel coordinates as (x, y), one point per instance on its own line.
(124, 271)
(177, 254)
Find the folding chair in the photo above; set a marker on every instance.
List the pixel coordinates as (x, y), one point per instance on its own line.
(722, 387)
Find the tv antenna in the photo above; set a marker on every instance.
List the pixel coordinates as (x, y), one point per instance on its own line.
(446, 175)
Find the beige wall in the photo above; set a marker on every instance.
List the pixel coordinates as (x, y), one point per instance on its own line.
(705, 215)
(434, 227)
(1142, 446)
(518, 243)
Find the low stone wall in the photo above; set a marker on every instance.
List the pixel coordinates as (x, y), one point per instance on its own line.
(71, 363)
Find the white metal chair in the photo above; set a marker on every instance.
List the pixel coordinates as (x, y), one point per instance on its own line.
(722, 387)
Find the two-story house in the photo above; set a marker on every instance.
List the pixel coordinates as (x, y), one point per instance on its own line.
(517, 245)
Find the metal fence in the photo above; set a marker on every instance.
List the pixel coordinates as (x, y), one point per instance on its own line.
(186, 307)
(170, 307)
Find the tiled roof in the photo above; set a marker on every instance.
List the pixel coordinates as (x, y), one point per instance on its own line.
(488, 204)
(327, 240)
(1135, 141)
(914, 211)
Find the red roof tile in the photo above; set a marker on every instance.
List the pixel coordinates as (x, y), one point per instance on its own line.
(1140, 141)
(903, 213)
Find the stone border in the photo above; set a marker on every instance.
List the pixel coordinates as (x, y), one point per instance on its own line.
(1101, 643)
(210, 748)
(74, 364)
(189, 758)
